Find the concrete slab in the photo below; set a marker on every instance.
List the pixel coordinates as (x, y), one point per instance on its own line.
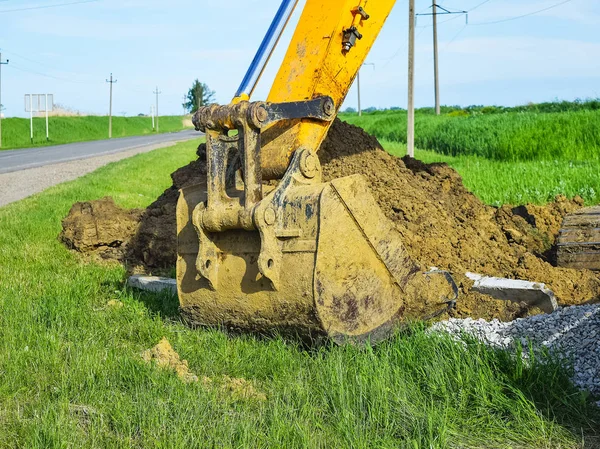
(153, 284)
(534, 294)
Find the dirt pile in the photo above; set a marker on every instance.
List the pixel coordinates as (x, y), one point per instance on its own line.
(441, 222)
(165, 357)
(155, 243)
(145, 240)
(446, 226)
(100, 226)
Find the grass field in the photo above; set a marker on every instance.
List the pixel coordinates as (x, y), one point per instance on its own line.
(15, 131)
(571, 135)
(519, 182)
(71, 373)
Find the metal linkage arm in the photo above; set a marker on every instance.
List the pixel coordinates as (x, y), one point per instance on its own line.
(260, 114)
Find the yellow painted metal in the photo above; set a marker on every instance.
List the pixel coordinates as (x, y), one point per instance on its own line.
(344, 274)
(243, 97)
(323, 259)
(315, 65)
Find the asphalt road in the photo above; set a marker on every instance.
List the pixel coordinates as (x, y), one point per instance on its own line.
(15, 160)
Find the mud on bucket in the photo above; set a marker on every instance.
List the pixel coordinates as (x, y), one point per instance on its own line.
(323, 261)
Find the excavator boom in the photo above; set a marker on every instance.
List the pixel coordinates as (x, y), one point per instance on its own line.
(329, 45)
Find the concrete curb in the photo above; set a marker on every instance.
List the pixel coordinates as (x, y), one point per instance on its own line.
(153, 284)
(534, 294)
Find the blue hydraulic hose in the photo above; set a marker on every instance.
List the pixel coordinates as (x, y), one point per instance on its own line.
(266, 47)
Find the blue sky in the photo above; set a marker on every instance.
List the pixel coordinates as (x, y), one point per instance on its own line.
(70, 51)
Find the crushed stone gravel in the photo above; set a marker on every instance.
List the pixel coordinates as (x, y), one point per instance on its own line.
(571, 333)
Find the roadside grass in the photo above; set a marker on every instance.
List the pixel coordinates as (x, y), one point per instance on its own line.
(502, 182)
(71, 374)
(16, 133)
(572, 135)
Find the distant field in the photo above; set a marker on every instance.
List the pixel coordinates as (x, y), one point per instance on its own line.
(513, 134)
(15, 131)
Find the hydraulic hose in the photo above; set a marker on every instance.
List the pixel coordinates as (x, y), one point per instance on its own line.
(266, 48)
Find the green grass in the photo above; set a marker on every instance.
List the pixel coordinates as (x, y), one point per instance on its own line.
(589, 104)
(71, 374)
(16, 134)
(502, 182)
(514, 136)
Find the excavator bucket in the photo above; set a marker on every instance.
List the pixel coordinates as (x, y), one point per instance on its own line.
(343, 273)
(304, 257)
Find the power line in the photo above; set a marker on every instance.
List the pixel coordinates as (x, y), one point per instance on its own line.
(523, 15)
(444, 11)
(403, 46)
(427, 26)
(35, 72)
(454, 38)
(477, 6)
(443, 21)
(13, 53)
(457, 16)
(422, 64)
(48, 6)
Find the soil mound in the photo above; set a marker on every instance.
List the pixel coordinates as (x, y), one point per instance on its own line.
(165, 356)
(441, 222)
(154, 246)
(100, 226)
(146, 239)
(446, 226)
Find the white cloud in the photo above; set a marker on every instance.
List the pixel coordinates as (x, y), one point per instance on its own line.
(581, 11)
(493, 59)
(521, 57)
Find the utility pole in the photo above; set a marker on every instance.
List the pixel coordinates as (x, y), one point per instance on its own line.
(358, 91)
(157, 93)
(152, 112)
(434, 13)
(435, 59)
(110, 107)
(1, 64)
(358, 86)
(183, 105)
(410, 131)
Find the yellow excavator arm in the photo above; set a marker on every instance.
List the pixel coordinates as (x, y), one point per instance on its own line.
(304, 256)
(328, 47)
